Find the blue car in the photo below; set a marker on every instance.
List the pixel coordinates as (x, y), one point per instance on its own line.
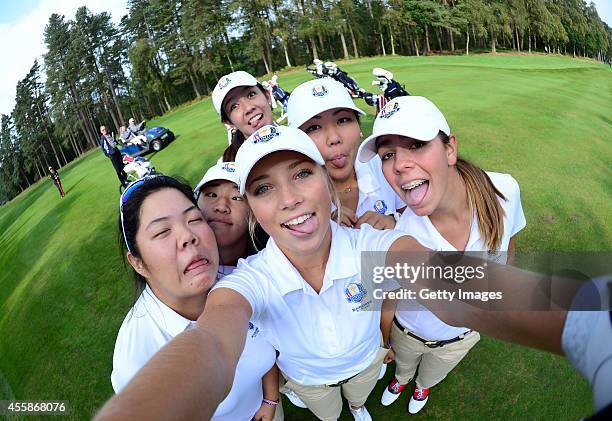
(157, 138)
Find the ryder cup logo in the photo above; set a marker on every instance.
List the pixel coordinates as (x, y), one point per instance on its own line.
(319, 90)
(389, 110)
(265, 134)
(229, 167)
(223, 82)
(380, 206)
(355, 292)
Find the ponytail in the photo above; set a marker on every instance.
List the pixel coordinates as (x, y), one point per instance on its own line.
(482, 198)
(229, 155)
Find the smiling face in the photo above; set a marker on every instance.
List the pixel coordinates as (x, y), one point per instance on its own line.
(290, 198)
(225, 211)
(178, 252)
(418, 171)
(336, 133)
(248, 109)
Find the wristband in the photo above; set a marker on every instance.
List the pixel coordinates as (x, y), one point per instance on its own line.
(396, 216)
(269, 402)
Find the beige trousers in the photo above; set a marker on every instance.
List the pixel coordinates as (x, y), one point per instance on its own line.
(326, 401)
(433, 363)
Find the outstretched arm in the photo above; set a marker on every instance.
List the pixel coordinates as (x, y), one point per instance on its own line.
(512, 320)
(191, 375)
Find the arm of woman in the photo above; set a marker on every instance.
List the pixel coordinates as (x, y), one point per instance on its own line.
(191, 375)
(270, 393)
(511, 250)
(386, 319)
(536, 329)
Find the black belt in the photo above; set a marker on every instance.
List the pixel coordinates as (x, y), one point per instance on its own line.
(429, 343)
(341, 382)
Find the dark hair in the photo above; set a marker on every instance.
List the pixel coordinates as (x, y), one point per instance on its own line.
(238, 138)
(229, 154)
(128, 228)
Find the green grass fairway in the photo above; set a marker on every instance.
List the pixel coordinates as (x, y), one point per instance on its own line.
(547, 120)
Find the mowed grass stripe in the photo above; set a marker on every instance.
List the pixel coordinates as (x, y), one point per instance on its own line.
(64, 291)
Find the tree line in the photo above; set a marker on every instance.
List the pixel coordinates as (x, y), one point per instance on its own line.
(166, 52)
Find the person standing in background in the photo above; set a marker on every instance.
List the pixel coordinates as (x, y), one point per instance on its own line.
(56, 180)
(110, 149)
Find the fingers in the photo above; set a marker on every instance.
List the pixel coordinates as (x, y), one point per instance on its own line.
(345, 221)
(347, 217)
(350, 214)
(376, 220)
(389, 357)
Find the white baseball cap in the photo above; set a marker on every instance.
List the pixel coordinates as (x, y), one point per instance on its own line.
(415, 117)
(229, 82)
(219, 171)
(315, 96)
(271, 139)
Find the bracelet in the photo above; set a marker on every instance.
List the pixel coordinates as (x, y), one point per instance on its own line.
(396, 216)
(269, 402)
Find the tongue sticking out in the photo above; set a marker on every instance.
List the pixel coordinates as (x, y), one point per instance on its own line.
(415, 196)
(307, 227)
(339, 161)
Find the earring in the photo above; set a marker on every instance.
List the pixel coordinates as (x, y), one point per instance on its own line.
(361, 135)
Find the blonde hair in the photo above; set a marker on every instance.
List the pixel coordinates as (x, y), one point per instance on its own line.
(482, 198)
(335, 199)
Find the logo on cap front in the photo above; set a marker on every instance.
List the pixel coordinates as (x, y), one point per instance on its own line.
(265, 134)
(389, 110)
(229, 167)
(223, 82)
(319, 90)
(380, 206)
(355, 292)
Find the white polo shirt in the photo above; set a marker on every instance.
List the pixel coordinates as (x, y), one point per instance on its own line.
(375, 192)
(151, 324)
(326, 337)
(416, 317)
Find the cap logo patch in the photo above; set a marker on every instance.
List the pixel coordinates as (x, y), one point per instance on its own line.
(380, 206)
(265, 134)
(389, 110)
(223, 82)
(319, 91)
(229, 167)
(355, 292)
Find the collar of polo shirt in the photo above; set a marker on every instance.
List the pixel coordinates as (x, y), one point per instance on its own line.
(167, 318)
(339, 265)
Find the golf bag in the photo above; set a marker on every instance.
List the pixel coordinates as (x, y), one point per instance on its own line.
(279, 96)
(384, 80)
(137, 167)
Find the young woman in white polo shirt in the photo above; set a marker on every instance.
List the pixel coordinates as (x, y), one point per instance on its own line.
(226, 211)
(174, 256)
(305, 288)
(244, 106)
(323, 109)
(452, 205)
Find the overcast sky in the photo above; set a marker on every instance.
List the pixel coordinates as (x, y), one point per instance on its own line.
(22, 23)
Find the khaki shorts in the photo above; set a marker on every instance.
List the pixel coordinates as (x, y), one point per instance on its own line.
(433, 363)
(326, 401)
